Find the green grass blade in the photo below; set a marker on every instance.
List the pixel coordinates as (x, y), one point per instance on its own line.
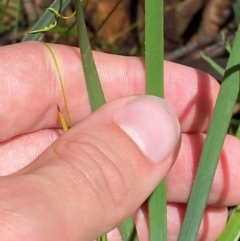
(96, 96)
(236, 8)
(95, 92)
(154, 47)
(103, 238)
(155, 86)
(238, 132)
(215, 65)
(4, 8)
(232, 229)
(128, 230)
(158, 213)
(46, 19)
(214, 141)
(226, 42)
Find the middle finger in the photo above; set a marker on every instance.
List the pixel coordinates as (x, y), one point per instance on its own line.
(224, 189)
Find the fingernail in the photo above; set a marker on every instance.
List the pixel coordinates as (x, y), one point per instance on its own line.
(152, 124)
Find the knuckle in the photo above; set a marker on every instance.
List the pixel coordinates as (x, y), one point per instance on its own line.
(97, 167)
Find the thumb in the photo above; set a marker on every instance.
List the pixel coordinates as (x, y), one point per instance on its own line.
(95, 175)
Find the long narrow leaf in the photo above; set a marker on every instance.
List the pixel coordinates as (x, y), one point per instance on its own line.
(46, 20)
(155, 86)
(103, 238)
(228, 45)
(214, 64)
(236, 8)
(158, 213)
(95, 92)
(128, 230)
(232, 229)
(96, 96)
(238, 132)
(154, 47)
(213, 145)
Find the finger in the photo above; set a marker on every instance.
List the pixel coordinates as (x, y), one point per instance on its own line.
(94, 176)
(31, 89)
(21, 150)
(213, 223)
(226, 181)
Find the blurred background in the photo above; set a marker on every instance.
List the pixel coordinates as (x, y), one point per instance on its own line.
(117, 26)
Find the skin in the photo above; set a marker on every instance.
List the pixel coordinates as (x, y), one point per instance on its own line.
(46, 200)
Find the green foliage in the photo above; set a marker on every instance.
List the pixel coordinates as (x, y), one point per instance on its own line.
(4, 7)
(226, 42)
(155, 86)
(232, 229)
(47, 20)
(95, 92)
(12, 12)
(215, 65)
(128, 230)
(213, 145)
(236, 8)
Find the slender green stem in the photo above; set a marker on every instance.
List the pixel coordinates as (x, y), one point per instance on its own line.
(96, 96)
(95, 92)
(155, 86)
(214, 64)
(158, 213)
(128, 230)
(154, 47)
(213, 145)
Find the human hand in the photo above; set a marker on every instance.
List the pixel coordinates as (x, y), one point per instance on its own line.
(94, 176)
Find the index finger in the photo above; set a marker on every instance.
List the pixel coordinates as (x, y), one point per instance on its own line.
(30, 89)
